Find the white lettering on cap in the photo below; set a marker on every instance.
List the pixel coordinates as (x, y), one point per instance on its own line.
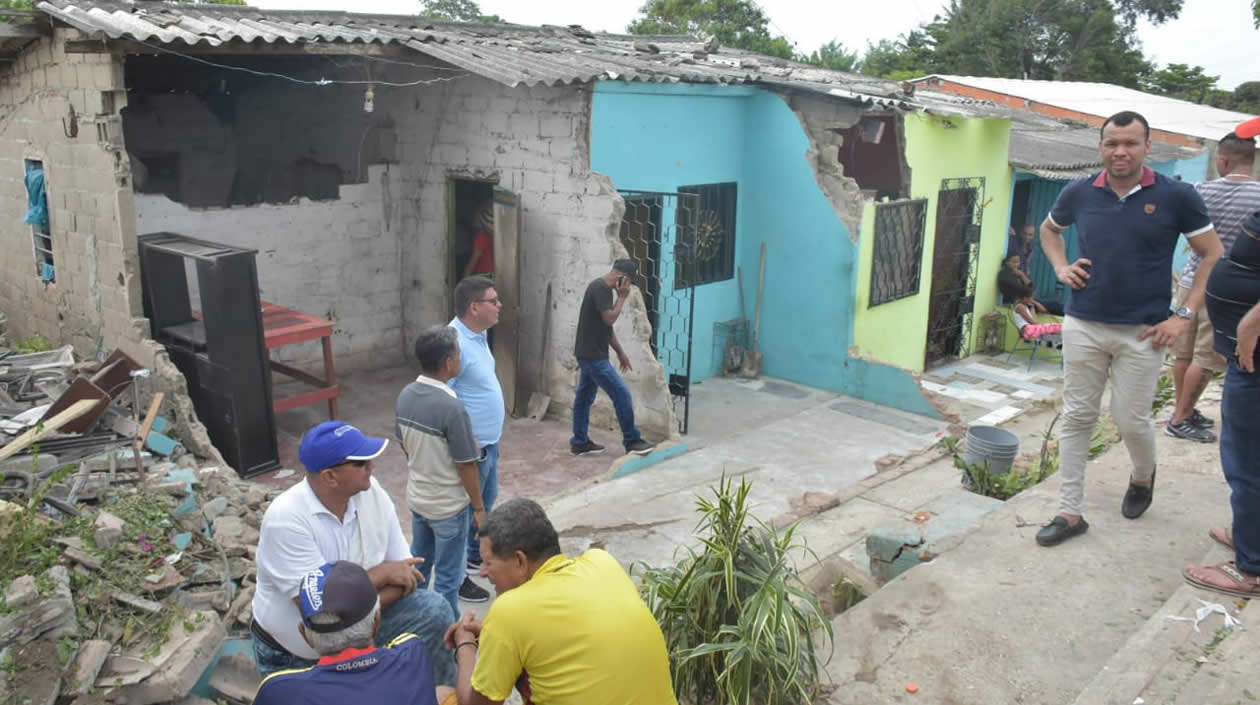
(311, 587)
(344, 430)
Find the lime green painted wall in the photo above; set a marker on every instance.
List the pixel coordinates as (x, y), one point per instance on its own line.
(937, 148)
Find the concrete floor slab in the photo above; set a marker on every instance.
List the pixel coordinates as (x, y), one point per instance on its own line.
(999, 620)
(921, 487)
(835, 530)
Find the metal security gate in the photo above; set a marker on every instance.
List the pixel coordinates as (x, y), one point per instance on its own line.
(955, 254)
(658, 230)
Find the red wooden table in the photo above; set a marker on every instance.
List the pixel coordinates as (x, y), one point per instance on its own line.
(285, 326)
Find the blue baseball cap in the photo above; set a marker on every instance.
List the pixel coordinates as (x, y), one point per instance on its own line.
(335, 596)
(334, 442)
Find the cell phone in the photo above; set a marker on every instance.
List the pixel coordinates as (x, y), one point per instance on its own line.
(620, 280)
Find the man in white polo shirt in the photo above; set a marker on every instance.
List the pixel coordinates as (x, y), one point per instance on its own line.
(339, 512)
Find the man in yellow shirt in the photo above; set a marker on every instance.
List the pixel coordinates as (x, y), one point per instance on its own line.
(563, 631)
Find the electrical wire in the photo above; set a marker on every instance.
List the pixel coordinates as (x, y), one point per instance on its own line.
(320, 82)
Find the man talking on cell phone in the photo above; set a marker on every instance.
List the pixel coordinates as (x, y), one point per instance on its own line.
(601, 305)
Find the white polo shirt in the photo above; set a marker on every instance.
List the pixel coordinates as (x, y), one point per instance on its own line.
(299, 534)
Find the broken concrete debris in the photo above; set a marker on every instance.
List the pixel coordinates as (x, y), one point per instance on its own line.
(151, 566)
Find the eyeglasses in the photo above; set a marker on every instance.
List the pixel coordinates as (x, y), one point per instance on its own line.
(496, 301)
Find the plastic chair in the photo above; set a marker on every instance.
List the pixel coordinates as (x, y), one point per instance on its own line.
(1034, 345)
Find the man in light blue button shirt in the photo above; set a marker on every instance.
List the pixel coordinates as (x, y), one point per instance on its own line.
(477, 307)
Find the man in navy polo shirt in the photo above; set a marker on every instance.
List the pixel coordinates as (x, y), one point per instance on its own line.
(1117, 322)
(341, 616)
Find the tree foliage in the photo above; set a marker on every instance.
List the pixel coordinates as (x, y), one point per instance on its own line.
(1244, 99)
(736, 23)
(1069, 40)
(832, 55)
(1181, 81)
(455, 11)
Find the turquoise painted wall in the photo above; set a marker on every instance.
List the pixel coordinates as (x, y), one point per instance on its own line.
(656, 137)
(650, 137)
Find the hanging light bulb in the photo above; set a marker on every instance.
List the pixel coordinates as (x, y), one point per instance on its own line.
(369, 100)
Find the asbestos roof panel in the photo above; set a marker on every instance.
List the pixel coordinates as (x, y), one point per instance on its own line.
(1036, 148)
(1103, 99)
(509, 54)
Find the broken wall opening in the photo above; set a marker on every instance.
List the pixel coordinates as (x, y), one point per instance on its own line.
(206, 136)
(472, 227)
(871, 156)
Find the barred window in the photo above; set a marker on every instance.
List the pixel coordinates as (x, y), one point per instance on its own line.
(706, 247)
(897, 264)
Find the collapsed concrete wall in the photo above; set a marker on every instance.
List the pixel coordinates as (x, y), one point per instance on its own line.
(534, 142)
(62, 110)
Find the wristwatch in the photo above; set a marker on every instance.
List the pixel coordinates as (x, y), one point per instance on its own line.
(1185, 313)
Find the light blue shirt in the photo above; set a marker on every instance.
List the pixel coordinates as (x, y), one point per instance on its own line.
(477, 386)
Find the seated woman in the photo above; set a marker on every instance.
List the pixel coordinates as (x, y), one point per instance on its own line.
(1015, 287)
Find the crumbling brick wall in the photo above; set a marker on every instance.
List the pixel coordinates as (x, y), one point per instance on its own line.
(536, 143)
(96, 293)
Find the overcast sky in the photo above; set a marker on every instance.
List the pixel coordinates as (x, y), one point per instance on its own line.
(1215, 34)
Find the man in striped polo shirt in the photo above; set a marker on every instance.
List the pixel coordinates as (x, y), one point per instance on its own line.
(1230, 199)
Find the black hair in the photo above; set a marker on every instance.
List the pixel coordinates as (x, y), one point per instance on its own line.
(468, 290)
(626, 266)
(520, 525)
(434, 346)
(1237, 148)
(1124, 118)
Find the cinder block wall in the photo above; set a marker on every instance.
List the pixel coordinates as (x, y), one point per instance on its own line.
(334, 259)
(536, 143)
(96, 293)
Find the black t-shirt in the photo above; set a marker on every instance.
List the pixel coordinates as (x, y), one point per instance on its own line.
(593, 335)
(1234, 287)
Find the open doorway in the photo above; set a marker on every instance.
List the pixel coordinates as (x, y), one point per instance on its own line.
(472, 228)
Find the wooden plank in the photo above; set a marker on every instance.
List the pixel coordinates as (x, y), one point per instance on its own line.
(47, 428)
(9, 30)
(147, 426)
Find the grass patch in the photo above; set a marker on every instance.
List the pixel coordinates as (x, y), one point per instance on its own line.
(1165, 391)
(847, 594)
(34, 344)
(1003, 486)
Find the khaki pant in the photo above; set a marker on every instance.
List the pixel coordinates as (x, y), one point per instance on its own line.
(1199, 343)
(1091, 350)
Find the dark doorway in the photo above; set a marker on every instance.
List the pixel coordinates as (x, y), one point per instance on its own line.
(955, 252)
(471, 204)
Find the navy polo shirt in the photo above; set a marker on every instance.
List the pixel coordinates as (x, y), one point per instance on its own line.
(399, 674)
(1130, 241)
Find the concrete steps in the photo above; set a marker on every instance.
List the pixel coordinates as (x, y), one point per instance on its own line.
(997, 620)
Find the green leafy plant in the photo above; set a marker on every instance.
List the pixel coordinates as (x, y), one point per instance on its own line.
(1003, 486)
(848, 594)
(34, 344)
(1165, 390)
(739, 622)
(1105, 434)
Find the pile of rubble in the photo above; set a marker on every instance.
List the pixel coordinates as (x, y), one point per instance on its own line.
(125, 562)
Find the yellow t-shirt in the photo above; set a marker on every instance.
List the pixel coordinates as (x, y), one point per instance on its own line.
(577, 633)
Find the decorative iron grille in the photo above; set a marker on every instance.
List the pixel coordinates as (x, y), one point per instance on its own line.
(711, 232)
(959, 214)
(897, 263)
(656, 231)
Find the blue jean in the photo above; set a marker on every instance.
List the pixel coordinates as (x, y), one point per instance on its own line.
(1240, 448)
(596, 375)
(423, 613)
(442, 544)
(488, 472)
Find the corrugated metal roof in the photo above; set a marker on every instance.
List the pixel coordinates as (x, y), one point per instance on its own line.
(509, 54)
(1102, 99)
(1040, 150)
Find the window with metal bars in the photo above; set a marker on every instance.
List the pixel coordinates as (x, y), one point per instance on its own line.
(897, 260)
(706, 247)
(37, 218)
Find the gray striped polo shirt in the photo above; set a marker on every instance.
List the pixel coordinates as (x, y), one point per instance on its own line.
(1229, 202)
(435, 433)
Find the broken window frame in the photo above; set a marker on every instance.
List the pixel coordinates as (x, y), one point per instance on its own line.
(897, 254)
(717, 202)
(41, 228)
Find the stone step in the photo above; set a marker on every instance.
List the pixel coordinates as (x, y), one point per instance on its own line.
(1158, 650)
(997, 620)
